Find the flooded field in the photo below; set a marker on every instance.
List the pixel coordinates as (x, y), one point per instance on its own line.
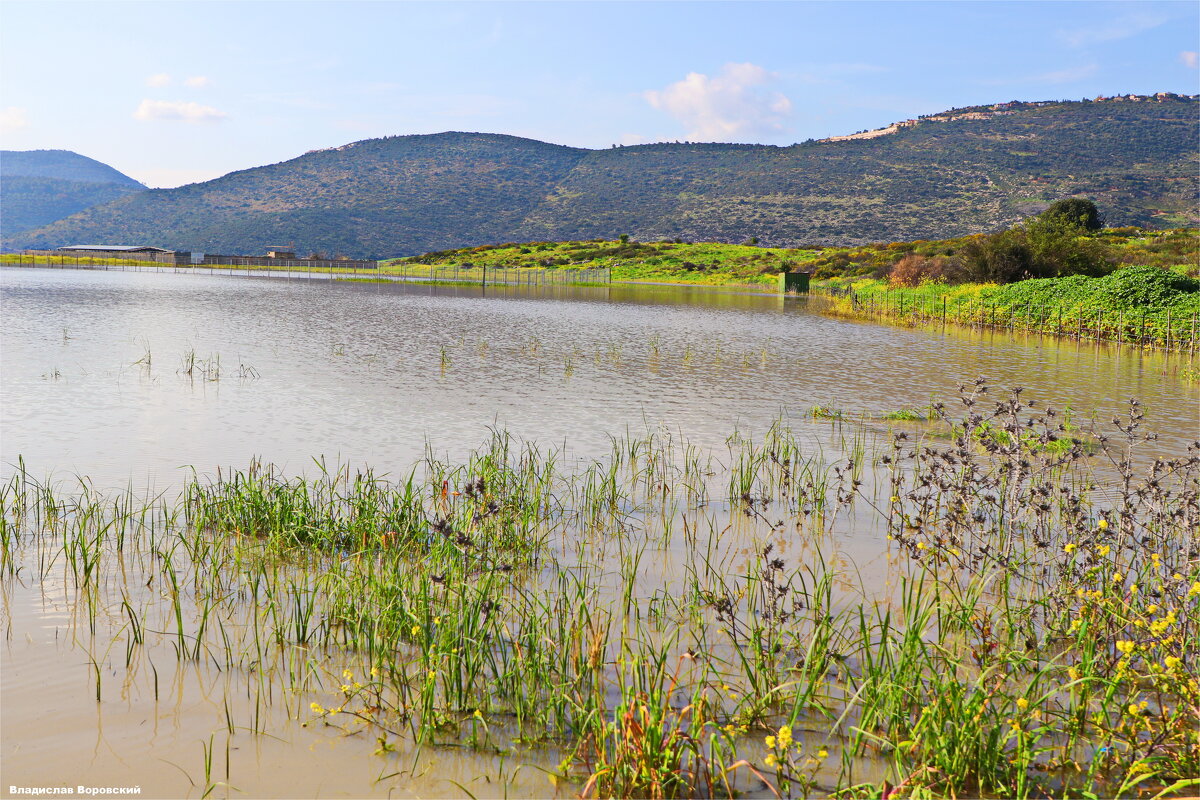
(269, 538)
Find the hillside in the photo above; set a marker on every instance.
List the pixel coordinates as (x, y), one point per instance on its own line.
(38, 187)
(960, 172)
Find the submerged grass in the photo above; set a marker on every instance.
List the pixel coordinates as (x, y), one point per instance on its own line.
(661, 622)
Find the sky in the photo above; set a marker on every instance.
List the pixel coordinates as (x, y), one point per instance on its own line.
(178, 92)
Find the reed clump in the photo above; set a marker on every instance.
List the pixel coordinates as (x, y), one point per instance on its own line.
(669, 621)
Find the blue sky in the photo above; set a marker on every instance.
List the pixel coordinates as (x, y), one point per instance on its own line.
(175, 92)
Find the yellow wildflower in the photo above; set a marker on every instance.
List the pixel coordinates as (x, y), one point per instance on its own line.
(1133, 709)
(771, 742)
(1126, 646)
(374, 672)
(895, 499)
(1194, 589)
(1073, 674)
(822, 753)
(1070, 548)
(785, 736)
(1102, 524)
(771, 760)
(1022, 703)
(316, 708)
(1103, 550)
(1171, 662)
(920, 545)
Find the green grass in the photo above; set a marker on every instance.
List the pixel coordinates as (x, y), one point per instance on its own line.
(1138, 304)
(1040, 639)
(702, 263)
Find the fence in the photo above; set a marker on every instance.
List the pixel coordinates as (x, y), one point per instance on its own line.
(1146, 329)
(333, 270)
(515, 276)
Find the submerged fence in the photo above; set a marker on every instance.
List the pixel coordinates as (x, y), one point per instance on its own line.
(1145, 328)
(415, 273)
(517, 276)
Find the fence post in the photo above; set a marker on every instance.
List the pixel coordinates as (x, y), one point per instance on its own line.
(1168, 327)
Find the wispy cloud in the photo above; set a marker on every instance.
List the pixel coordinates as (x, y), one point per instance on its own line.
(736, 103)
(158, 81)
(1121, 27)
(1067, 75)
(177, 111)
(1190, 58)
(833, 72)
(13, 118)
(197, 82)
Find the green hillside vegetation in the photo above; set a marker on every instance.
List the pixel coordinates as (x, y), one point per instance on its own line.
(39, 187)
(31, 202)
(62, 165)
(966, 171)
(895, 264)
(669, 261)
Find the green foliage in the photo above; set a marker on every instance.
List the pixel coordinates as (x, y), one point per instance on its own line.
(1077, 212)
(1142, 287)
(413, 194)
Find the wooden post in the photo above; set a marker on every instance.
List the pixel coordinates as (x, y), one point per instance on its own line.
(1168, 327)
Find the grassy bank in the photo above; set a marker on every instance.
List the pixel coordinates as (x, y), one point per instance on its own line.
(1142, 305)
(663, 622)
(707, 263)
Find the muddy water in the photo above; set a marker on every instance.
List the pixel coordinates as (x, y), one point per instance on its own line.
(371, 373)
(135, 379)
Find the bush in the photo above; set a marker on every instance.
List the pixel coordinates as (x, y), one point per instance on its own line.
(1075, 212)
(913, 270)
(1141, 287)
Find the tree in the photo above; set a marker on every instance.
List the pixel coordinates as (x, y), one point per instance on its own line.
(1077, 211)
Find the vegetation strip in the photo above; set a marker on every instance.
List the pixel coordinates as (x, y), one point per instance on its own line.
(1041, 637)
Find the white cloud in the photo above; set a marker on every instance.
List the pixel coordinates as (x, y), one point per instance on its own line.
(734, 104)
(1190, 58)
(1066, 75)
(13, 118)
(158, 81)
(177, 111)
(1111, 30)
(197, 82)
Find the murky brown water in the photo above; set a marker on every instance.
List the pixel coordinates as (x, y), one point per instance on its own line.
(94, 384)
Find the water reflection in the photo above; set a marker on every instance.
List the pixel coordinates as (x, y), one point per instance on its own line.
(371, 373)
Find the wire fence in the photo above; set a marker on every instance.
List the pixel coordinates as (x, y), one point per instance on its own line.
(415, 273)
(1161, 328)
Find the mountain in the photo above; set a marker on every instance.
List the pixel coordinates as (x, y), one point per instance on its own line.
(962, 171)
(38, 187)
